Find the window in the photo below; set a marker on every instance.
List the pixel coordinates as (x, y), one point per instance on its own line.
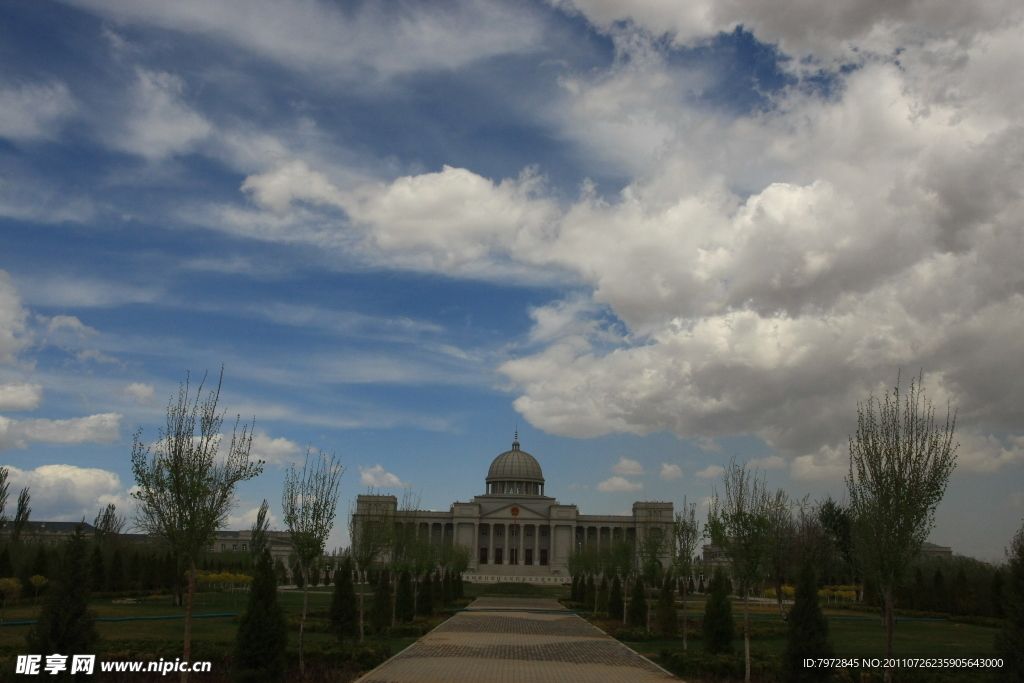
(483, 530)
(223, 546)
(529, 533)
(529, 556)
(543, 556)
(543, 533)
(234, 546)
(497, 532)
(245, 546)
(483, 555)
(497, 556)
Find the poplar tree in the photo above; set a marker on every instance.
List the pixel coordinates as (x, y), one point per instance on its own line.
(686, 532)
(185, 491)
(1010, 639)
(900, 463)
(310, 502)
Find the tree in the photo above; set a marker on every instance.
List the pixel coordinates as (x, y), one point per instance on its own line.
(310, 502)
(637, 610)
(995, 594)
(38, 583)
(601, 602)
(808, 633)
(185, 491)
(3, 496)
(779, 544)
(405, 606)
(262, 636)
(615, 604)
(590, 595)
(259, 539)
(380, 609)
(342, 615)
(718, 628)
(10, 588)
(65, 623)
(900, 463)
(97, 572)
(425, 598)
(371, 529)
(21, 515)
(738, 524)
(667, 616)
(1010, 639)
(108, 524)
(687, 534)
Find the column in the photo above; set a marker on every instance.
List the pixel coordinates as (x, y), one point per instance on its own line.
(522, 543)
(475, 545)
(551, 545)
(490, 545)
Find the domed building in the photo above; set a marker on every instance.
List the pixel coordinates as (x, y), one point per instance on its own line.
(514, 532)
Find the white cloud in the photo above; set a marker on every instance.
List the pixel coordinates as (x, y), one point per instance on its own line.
(95, 355)
(142, 393)
(628, 467)
(13, 333)
(670, 472)
(361, 44)
(829, 465)
(20, 396)
(989, 453)
(159, 122)
(709, 445)
(68, 493)
(103, 428)
(68, 322)
(248, 518)
(711, 472)
(378, 478)
(618, 484)
(279, 451)
(34, 111)
(772, 462)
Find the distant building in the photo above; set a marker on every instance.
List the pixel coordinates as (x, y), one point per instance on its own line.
(279, 543)
(513, 531)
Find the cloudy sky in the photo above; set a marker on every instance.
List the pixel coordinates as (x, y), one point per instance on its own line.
(651, 236)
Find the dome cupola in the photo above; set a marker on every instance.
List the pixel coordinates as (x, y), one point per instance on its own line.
(515, 472)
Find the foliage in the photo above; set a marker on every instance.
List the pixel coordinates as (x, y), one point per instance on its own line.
(590, 593)
(65, 623)
(343, 614)
(1010, 640)
(21, 515)
(615, 604)
(636, 612)
(717, 627)
(262, 631)
(404, 607)
(10, 588)
(425, 597)
(808, 633)
(687, 534)
(601, 601)
(380, 609)
(185, 491)
(900, 463)
(667, 616)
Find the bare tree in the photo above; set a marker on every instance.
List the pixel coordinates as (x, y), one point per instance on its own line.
(781, 536)
(738, 524)
(371, 530)
(900, 464)
(310, 502)
(185, 492)
(108, 524)
(687, 534)
(21, 515)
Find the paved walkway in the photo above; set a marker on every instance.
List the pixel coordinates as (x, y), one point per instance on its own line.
(517, 640)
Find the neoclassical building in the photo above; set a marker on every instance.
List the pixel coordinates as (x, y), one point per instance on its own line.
(516, 533)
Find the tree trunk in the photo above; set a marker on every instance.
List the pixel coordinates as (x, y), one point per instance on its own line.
(302, 621)
(888, 633)
(186, 655)
(746, 635)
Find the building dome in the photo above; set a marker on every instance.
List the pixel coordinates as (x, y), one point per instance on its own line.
(515, 471)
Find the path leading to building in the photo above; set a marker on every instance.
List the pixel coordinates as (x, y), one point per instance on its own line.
(517, 640)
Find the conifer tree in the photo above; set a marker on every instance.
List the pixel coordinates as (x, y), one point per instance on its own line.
(41, 564)
(667, 616)
(404, 608)
(636, 613)
(300, 580)
(590, 594)
(97, 572)
(380, 610)
(808, 633)
(65, 623)
(615, 606)
(574, 593)
(448, 590)
(425, 597)
(701, 588)
(1010, 640)
(115, 576)
(718, 628)
(437, 588)
(6, 569)
(344, 612)
(995, 593)
(941, 600)
(262, 631)
(602, 595)
(961, 594)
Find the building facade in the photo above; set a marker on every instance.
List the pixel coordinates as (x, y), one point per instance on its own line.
(513, 531)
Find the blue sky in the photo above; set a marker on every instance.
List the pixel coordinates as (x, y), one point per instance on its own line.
(651, 237)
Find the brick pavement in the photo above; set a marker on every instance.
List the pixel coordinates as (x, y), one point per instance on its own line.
(516, 640)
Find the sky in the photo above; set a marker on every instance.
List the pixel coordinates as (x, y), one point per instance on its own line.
(652, 237)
